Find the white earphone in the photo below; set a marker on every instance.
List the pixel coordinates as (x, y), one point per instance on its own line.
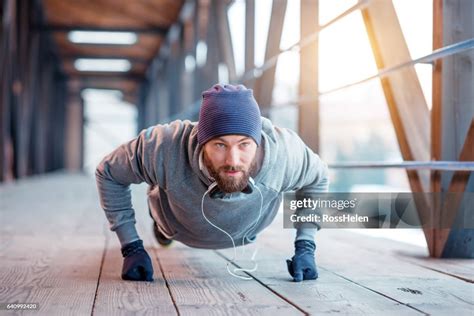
(248, 189)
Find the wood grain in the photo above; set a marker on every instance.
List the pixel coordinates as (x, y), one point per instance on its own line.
(56, 250)
(50, 252)
(382, 273)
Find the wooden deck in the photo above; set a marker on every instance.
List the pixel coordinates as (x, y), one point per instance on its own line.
(56, 250)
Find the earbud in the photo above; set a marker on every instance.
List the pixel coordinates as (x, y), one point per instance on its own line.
(214, 189)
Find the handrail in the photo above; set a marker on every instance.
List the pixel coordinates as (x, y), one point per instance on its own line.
(409, 165)
(436, 54)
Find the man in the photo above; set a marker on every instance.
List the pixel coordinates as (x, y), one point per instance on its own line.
(241, 156)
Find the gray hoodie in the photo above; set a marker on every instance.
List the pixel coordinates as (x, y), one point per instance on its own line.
(166, 157)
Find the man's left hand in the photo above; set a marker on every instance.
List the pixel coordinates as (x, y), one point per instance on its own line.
(302, 265)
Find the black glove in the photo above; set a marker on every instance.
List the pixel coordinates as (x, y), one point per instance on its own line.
(137, 263)
(302, 265)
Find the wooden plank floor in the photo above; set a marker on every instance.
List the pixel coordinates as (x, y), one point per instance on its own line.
(56, 250)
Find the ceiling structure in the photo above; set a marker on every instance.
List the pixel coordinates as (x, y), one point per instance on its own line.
(148, 20)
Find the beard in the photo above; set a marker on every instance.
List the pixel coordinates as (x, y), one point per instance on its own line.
(229, 184)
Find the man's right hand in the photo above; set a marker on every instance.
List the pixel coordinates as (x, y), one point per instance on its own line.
(137, 264)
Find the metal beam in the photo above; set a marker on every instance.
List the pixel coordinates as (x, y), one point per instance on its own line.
(414, 165)
(431, 58)
(437, 88)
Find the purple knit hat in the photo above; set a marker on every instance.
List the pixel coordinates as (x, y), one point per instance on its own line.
(228, 109)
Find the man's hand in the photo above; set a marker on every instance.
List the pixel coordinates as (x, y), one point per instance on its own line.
(137, 264)
(302, 265)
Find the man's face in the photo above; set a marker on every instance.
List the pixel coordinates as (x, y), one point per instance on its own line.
(230, 160)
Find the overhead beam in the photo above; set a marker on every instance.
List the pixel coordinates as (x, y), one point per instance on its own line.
(128, 85)
(136, 60)
(106, 13)
(107, 77)
(146, 47)
(69, 57)
(156, 30)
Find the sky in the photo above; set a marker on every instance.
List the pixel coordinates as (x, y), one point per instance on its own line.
(345, 53)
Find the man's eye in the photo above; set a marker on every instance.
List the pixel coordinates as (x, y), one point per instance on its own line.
(245, 144)
(220, 145)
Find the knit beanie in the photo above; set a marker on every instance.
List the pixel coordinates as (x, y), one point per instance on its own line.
(228, 109)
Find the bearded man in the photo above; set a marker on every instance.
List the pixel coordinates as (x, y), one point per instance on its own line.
(210, 182)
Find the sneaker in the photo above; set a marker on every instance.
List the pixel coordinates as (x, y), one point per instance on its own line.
(162, 240)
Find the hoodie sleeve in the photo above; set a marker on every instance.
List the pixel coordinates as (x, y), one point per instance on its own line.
(306, 173)
(139, 160)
